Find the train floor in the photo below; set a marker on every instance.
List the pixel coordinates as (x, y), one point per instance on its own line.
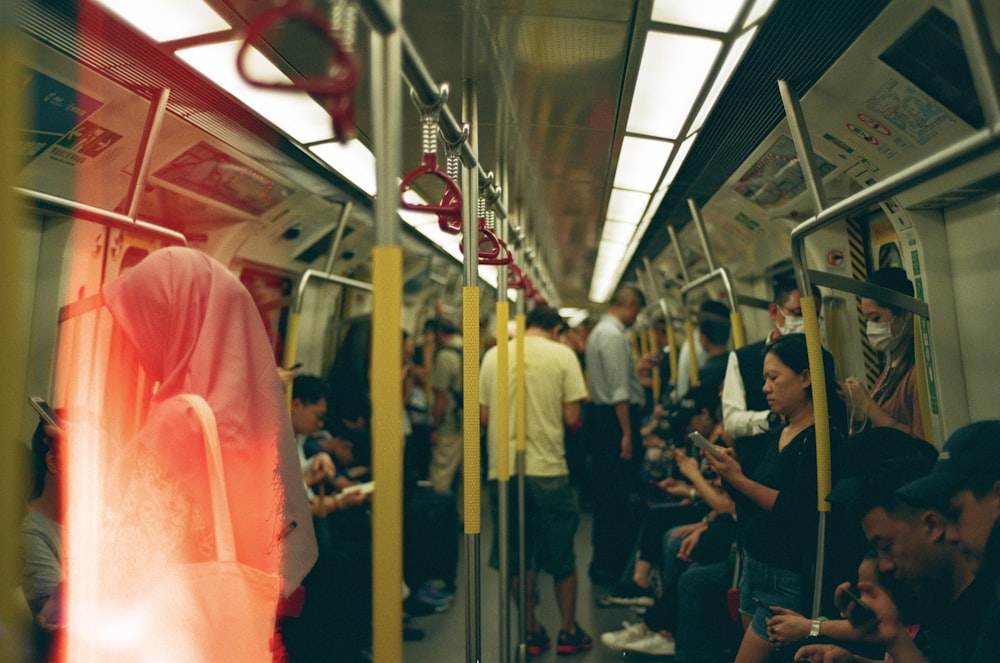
(444, 638)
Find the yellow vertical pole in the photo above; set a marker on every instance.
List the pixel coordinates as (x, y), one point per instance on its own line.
(387, 439)
(291, 348)
(739, 333)
(13, 336)
(470, 358)
(655, 370)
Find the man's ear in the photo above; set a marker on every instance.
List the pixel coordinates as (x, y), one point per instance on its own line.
(772, 310)
(933, 524)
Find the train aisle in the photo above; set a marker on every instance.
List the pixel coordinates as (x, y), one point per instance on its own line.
(444, 633)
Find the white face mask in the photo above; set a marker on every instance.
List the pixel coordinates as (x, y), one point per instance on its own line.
(794, 324)
(881, 337)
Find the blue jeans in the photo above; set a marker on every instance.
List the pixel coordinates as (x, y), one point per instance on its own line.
(770, 585)
(705, 633)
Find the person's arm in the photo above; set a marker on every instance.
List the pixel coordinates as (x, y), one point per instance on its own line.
(828, 654)
(738, 421)
(622, 412)
(729, 469)
(571, 413)
(718, 500)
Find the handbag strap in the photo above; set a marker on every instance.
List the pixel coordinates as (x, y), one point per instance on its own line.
(225, 545)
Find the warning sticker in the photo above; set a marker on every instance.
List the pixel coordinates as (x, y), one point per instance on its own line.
(869, 138)
(874, 124)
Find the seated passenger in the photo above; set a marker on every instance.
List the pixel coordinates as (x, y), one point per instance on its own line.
(777, 501)
(893, 401)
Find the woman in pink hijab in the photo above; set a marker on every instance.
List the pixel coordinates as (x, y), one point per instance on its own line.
(193, 329)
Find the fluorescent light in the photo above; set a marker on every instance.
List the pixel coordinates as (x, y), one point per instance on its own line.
(678, 161)
(759, 9)
(733, 59)
(168, 20)
(352, 160)
(295, 113)
(617, 231)
(627, 206)
(672, 72)
(717, 15)
(640, 163)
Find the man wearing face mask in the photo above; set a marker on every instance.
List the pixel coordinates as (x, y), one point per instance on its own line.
(744, 406)
(893, 401)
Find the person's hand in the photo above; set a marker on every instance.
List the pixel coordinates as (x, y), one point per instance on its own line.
(626, 453)
(352, 499)
(824, 654)
(726, 465)
(287, 376)
(675, 487)
(689, 543)
(855, 393)
(321, 468)
(686, 464)
(684, 530)
(49, 618)
(786, 627)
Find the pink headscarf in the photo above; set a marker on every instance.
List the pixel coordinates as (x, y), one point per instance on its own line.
(196, 330)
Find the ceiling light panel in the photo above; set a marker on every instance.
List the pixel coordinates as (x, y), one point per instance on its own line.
(671, 75)
(627, 206)
(294, 113)
(168, 20)
(678, 161)
(715, 15)
(732, 60)
(353, 161)
(640, 163)
(616, 231)
(760, 8)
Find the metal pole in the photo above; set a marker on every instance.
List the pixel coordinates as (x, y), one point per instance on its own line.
(345, 214)
(502, 425)
(91, 213)
(387, 429)
(680, 254)
(807, 158)
(982, 55)
(150, 132)
(699, 224)
(470, 314)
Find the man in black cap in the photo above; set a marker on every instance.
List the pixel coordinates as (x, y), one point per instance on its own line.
(966, 480)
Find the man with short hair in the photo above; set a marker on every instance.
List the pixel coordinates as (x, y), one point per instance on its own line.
(966, 478)
(555, 386)
(711, 343)
(744, 406)
(613, 430)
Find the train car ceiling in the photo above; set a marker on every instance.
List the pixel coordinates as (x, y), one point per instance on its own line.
(556, 111)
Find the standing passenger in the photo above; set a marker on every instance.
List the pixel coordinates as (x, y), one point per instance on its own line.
(894, 401)
(554, 384)
(139, 509)
(446, 410)
(616, 398)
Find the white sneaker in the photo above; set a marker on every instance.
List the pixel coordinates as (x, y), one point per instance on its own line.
(653, 644)
(618, 639)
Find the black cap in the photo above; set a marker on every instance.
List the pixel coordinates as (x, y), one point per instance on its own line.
(971, 450)
(870, 449)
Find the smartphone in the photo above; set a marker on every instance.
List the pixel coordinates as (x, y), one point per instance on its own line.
(766, 608)
(700, 442)
(45, 411)
(861, 614)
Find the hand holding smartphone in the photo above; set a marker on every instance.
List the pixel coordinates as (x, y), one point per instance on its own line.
(700, 442)
(861, 614)
(45, 411)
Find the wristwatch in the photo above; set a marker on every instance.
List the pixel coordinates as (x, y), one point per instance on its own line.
(814, 629)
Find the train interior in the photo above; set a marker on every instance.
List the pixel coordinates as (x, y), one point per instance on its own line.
(133, 141)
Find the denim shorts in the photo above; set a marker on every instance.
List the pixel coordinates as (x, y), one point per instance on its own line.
(771, 585)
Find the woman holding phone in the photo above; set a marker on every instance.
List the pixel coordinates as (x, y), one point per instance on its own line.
(776, 499)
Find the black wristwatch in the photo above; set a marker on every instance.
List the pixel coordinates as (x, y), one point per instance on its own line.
(774, 421)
